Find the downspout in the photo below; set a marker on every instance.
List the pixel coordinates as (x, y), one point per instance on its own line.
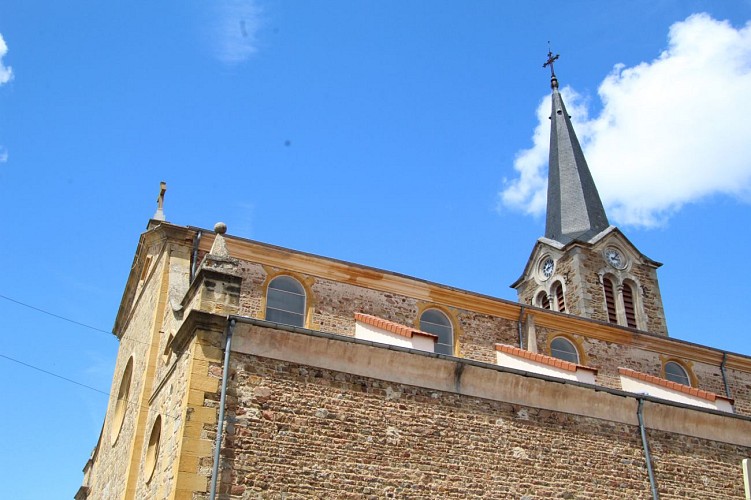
(521, 317)
(193, 266)
(648, 457)
(220, 426)
(725, 375)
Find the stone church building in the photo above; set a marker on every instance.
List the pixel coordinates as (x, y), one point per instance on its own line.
(250, 371)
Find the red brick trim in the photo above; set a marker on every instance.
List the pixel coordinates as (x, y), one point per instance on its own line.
(542, 358)
(392, 327)
(685, 389)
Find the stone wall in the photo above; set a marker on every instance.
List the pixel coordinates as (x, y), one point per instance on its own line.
(113, 459)
(301, 431)
(333, 305)
(304, 432)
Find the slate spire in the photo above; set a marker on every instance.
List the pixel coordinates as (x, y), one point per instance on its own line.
(574, 210)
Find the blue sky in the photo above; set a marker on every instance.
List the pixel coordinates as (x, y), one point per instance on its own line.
(401, 135)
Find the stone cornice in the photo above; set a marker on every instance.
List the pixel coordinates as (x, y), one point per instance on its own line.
(376, 279)
(162, 233)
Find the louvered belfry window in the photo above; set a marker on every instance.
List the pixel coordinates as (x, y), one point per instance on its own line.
(628, 305)
(558, 293)
(607, 284)
(542, 300)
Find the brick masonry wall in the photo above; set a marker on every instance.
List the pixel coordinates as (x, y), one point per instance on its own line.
(303, 432)
(740, 390)
(607, 357)
(335, 303)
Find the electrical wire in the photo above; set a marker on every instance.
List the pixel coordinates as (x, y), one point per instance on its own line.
(53, 374)
(42, 370)
(54, 315)
(43, 311)
(69, 380)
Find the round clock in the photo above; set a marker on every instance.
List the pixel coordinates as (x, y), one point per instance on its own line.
(546, 267)
(614, 258)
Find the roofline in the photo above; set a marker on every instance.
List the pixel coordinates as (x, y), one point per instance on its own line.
(428, 291)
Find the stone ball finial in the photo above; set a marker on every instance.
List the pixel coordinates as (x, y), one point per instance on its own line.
(220, 227)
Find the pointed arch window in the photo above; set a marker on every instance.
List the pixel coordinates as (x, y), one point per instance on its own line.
(435, 322)
(607, 285)
(542, 300)
(563, 348)
(285, 301)
(558, 294)
(628, 305)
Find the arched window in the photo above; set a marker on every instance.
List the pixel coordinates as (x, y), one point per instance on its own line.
(285, 301)
(435, 322)
(542, 300)
(563, 348)
(676, 373)
(607, 285)
(122, 401)
(152, 450)
(628, 305)
(558, 294)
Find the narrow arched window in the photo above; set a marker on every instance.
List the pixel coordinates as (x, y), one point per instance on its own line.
(558, 294)
(628, 305)
(152, 450)
(285, 301)
(122, 401)
(676, 373)
(435, 322)
(563, 348)
(542, 300)
(607, 285)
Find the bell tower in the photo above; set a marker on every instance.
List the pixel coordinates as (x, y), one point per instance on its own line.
(583, 265)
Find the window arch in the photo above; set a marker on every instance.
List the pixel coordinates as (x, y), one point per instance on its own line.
(285, 301)
(121, 405)
(542, 300)
(152, 450)
(557, 290)
(677, 373)
(609, 289)
(435, 322)
(628, 305)
(563, 348)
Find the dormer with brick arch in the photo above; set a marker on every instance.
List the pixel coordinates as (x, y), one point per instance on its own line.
(583, 265)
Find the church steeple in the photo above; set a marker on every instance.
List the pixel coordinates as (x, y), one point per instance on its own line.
(574, 210)
(583, 266)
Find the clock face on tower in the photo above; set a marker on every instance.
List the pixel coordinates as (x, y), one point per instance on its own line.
(546, 267)
(614, 258)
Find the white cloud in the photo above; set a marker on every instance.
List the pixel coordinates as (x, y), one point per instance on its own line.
(3, 154)
(235, 30)
(6, 72)
(672, 131)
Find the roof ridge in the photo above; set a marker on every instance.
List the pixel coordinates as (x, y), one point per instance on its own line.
(542, 358)
(669, 384)
(391, 326)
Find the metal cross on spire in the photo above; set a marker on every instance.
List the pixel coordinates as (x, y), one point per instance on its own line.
(551, 59)
(159, 215)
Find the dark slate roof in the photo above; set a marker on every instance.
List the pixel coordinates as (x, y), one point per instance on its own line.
(574, 210)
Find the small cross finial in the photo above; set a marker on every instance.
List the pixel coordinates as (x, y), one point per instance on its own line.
(551, 59)
(159, 215)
